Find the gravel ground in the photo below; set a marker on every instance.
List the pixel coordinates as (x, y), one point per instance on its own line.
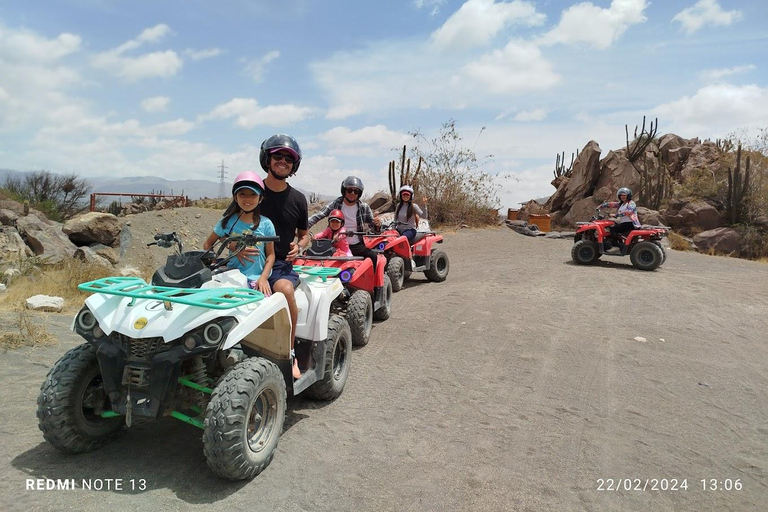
(517, 384)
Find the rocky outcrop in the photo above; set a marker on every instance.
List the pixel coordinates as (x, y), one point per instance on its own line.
(617, 171)
(650, 217)
(12, 246)
(690, 217)
(720, 240)
(45, 240)
(581, 182)
(94, 227)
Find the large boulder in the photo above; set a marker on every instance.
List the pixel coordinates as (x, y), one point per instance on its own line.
(675, 151)
(692, 217)
(46, 240)
(585, 173)
(8, 217)
(93, 227)
(581, 211)
(532, 207)
(88, 255)
(720, 241)
(18, 208)
(556, 201)
(381, 202)
(617, 171)
(12, 246)
(650, 217)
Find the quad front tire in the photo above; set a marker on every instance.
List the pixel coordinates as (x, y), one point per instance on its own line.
(396, 272)
(244, 419)
(646, 256)
(71, 401)
(438, 266)
(663, 252)
(360, 317)
(338, 352)
(585, 252)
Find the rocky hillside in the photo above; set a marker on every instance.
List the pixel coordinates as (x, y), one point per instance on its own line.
(677, 182)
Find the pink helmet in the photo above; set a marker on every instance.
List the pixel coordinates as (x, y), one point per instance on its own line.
(250, 180)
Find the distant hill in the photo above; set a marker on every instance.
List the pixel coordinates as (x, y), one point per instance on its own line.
(194, 189)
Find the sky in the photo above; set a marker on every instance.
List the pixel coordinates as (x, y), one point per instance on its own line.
(173, 88)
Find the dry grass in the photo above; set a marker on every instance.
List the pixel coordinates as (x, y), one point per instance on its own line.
(678, 242)
(26, 332)
(59, 281)
(213, 204)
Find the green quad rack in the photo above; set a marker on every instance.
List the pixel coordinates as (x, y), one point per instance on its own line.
(137, 288)
(322, 273)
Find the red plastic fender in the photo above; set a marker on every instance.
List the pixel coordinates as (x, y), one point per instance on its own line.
(424, 246)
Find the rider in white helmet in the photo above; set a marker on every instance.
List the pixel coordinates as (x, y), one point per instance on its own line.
(626, 214)
(407, 213)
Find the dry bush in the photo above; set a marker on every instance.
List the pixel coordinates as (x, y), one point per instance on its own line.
(56, 280)
(212, 204)
(754, 242)
(459, 192)
(678, 242)
(25, 331)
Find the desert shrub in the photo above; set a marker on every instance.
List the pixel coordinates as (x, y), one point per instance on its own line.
(24, 331)
(754, 242)
(58, 196)
(458, 190)
(703, 184)
(678, 242)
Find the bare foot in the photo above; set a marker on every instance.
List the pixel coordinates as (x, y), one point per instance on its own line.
(296, 371)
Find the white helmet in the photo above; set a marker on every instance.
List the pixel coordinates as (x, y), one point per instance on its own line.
(405, 188)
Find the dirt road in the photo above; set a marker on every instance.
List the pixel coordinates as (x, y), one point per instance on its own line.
(515, 385)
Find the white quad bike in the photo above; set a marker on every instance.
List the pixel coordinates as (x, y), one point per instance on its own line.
(198, 345)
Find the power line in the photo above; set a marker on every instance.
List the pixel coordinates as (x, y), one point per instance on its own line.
(222, 174)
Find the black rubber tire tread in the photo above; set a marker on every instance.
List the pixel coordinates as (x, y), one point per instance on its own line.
(646, 256)
(435, 274)
(59, 405)
(225, 443)
(360, 317)
(339, 338)
(396, 272)
(663, 252)
(579, 250)
(384, 311)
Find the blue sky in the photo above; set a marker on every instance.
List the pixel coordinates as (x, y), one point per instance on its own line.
(173, 87)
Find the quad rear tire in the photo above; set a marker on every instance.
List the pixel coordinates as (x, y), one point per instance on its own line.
(360, 317)
(585, 252)
(244, 419)
(338, 352)
(71, 401)
(396, 272)
(385, 309)
(646, 256)
(438, 266)
(663, 251)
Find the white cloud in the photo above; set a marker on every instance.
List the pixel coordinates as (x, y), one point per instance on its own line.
(255, 68)
(519, 67)
(592, 25)
(248, 113)
(369, 141)
(342, 111)
(156, 104)
(717, 74)
(538, 114)
(705, 12)
(478, 21)
(31, 78)
(206, 53)
(432, 5)
(716, 110)
(157, 64)
(25, 46)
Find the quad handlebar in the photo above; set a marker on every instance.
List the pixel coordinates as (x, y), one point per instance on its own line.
(168, 240)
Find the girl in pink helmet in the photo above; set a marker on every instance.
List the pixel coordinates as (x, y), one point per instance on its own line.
(336, 233)
(243, 215)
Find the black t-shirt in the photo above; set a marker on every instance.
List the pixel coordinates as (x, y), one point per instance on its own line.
(288, 212)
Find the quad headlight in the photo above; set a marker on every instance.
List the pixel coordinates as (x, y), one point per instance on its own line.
(86, 320)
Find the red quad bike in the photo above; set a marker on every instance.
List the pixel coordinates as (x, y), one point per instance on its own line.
(366, 296)
(403, 258)
(593, 239)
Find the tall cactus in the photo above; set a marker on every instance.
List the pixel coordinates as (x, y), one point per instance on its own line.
(640, 142)
(406, 177)
(738, 189)
(655, 183)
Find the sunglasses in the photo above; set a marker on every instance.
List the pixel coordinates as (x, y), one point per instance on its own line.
(288, 158)
(352, 191)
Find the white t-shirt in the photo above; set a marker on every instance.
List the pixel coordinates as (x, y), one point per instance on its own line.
(350, 222)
